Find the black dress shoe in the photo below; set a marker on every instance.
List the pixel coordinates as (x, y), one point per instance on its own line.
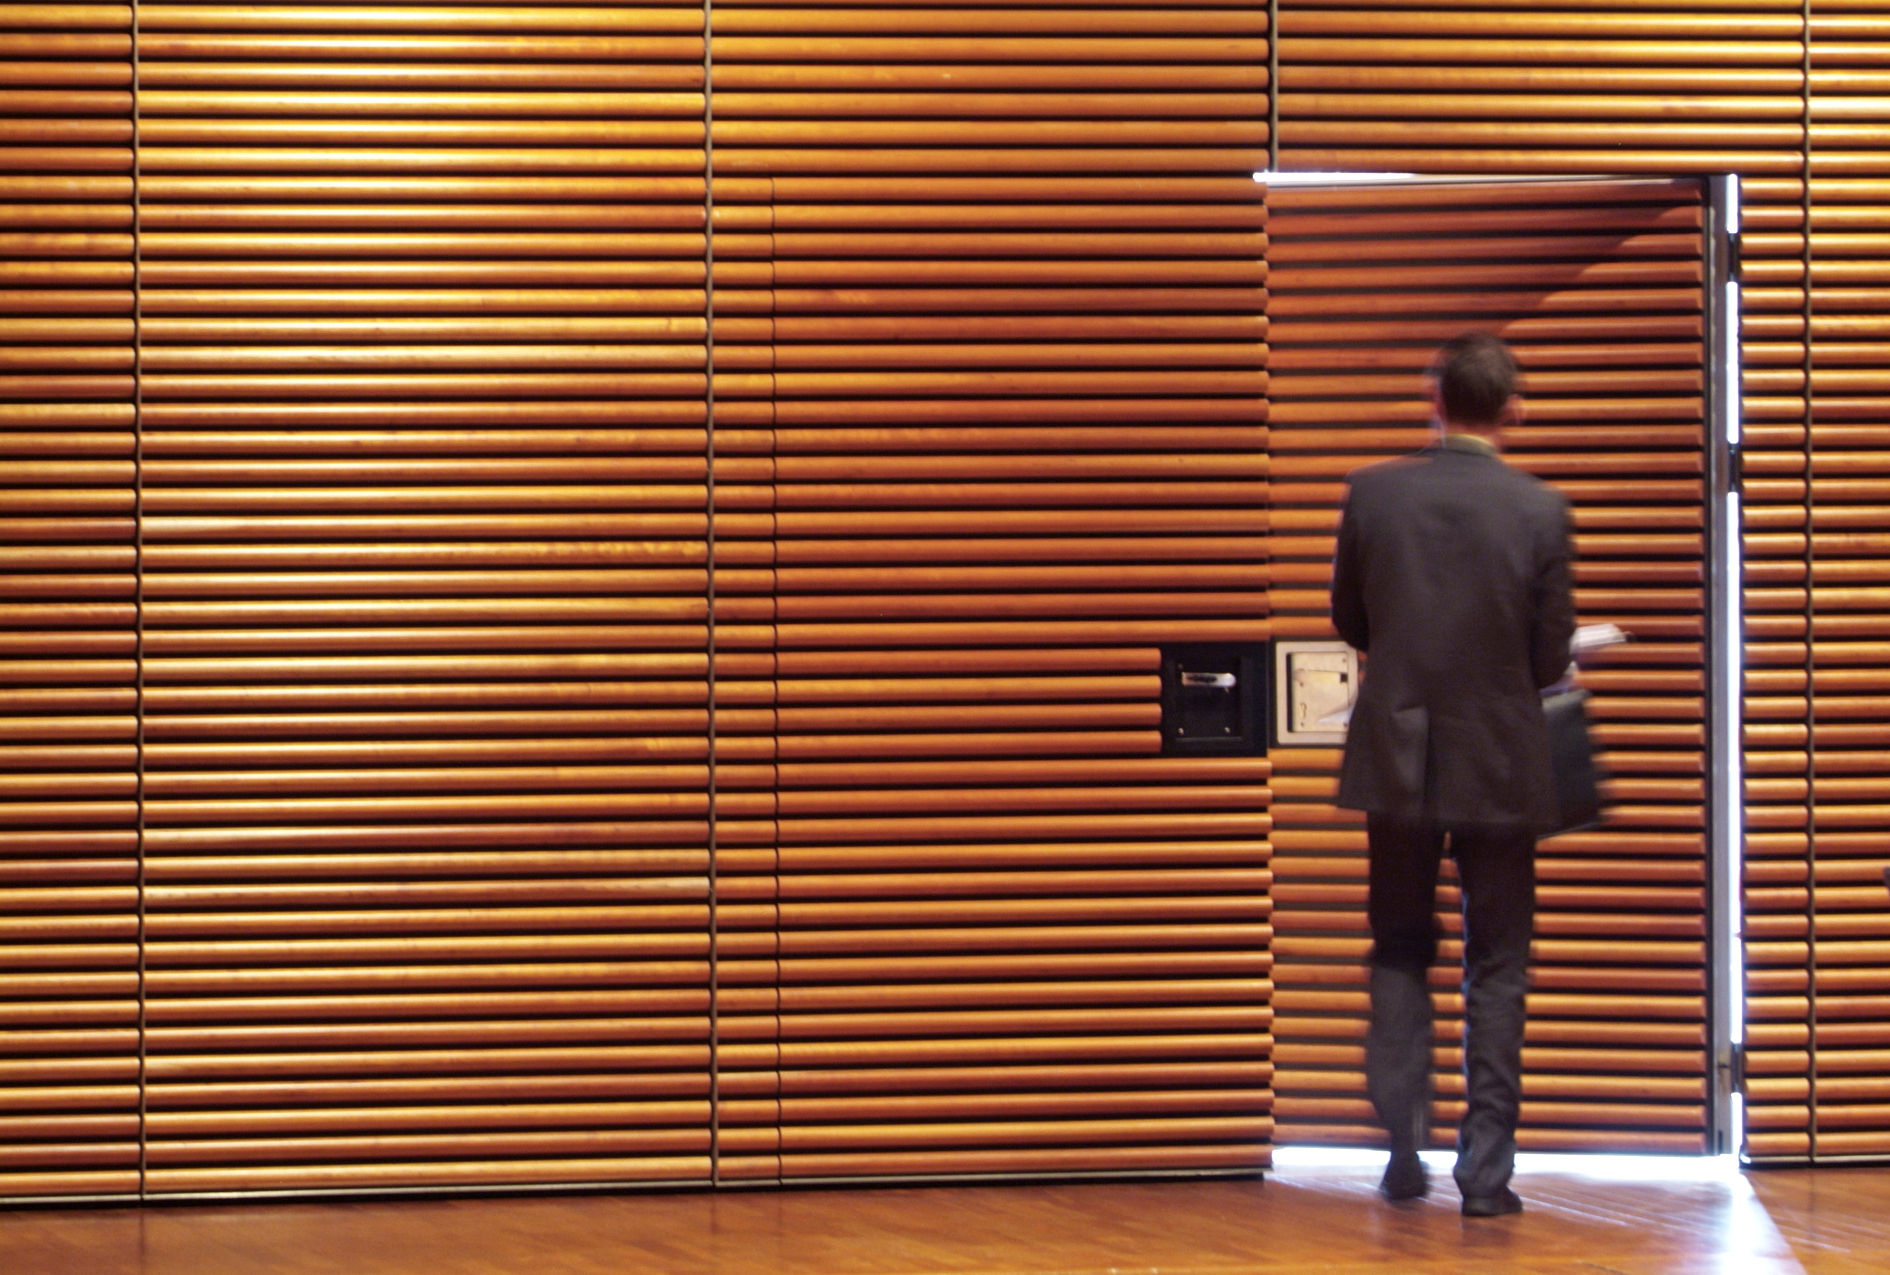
(1504, 1201)
(1405, 1178)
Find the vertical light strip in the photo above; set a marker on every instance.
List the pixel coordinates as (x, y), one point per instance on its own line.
(708, 406)
(1726, 651)
(1731, 918)
(137, 566)
(1811, 661)
(1736, 652)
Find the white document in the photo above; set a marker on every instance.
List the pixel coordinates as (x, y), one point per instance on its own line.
(1592, 637)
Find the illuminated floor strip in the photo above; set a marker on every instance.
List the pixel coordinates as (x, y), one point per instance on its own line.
(1615, 1168)
(1747, 1240)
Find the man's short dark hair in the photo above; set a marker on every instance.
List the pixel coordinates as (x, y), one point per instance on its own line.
(1476, 375)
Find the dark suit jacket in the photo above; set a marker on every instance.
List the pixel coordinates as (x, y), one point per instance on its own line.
(1452, 575)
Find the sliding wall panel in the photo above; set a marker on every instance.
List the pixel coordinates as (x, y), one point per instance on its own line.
(68, 618)
(1597, 287)
(425, 588)
(1013, 373)
(1818, 1084)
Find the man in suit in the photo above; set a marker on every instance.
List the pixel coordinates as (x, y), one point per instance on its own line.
(1452, 576)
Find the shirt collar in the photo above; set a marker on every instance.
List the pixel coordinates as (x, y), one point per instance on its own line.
(1468, 443)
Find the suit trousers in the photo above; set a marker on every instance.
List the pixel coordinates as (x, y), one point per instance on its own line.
(1496, 870)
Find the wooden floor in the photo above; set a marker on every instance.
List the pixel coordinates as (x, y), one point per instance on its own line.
(1825, 1222)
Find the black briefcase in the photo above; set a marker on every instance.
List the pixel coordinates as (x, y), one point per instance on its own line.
(1572, 753)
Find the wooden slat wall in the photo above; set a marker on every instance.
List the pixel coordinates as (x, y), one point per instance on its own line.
(425, 596)
(1598, 289)
(568, 360)
(1817, 912)
(1015, 389)
(68, 636)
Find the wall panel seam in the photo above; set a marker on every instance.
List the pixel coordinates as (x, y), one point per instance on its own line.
(708, 434)
(137, 566)
(1811, 635)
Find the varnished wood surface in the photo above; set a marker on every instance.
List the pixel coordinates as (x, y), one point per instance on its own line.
(1833, 1219)
(1820, 1222)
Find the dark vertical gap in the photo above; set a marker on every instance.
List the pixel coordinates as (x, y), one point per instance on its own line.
(1811, 646)
(708, 402)
(137, 566)
(1272, 864)
(1273, 85)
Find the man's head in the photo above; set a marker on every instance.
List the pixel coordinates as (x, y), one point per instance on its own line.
(1474, 380)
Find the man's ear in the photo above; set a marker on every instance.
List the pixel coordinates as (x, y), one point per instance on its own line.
(1513, 412)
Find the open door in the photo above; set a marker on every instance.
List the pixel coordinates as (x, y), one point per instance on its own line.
(1607, 291)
